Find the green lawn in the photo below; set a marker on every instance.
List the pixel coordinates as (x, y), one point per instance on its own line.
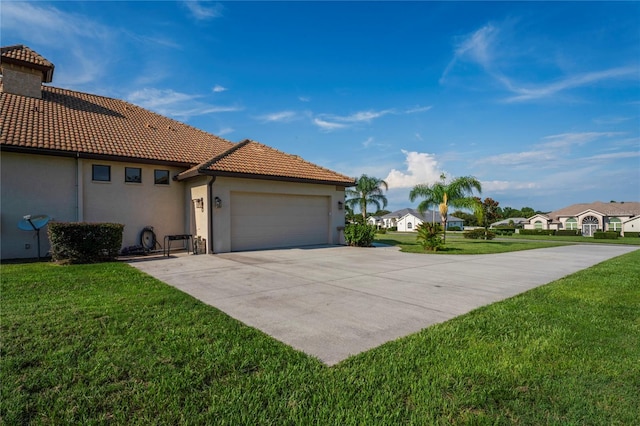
(456, 244)
(91, 344)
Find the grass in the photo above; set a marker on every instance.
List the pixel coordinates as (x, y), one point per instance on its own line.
(94, 344)
(575, 239)
(457, 245)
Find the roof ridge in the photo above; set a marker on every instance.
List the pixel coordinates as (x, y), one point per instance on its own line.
(231, 150)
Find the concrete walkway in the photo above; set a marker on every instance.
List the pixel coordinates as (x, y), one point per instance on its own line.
(333, 302)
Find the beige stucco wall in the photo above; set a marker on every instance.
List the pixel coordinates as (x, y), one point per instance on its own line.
(63, 189)
(33, 184)
(223, 186)
(632, 225)
(136, 205)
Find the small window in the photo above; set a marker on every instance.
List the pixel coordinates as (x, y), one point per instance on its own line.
(572, 223)
(161, 177)
(537, 224)
(133, 174)
(409, 225)
(101, 173)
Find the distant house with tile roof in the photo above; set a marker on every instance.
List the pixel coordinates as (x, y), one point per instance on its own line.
(82, 157)
(590, 217)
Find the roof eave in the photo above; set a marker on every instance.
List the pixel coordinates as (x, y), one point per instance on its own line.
(199, 172)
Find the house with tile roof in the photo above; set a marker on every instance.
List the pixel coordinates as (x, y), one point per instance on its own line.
(590, 217)
(81, 157)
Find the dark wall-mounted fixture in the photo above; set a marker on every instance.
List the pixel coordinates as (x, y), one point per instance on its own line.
(340, 205)
(218, 202)
(198, 203)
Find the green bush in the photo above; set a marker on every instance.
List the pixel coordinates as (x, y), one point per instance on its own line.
(393, 228)
(85, 242)
(381, 231)
(479, 234)
(454, 228)
(608, 235)
(568, 232)
(537, 231)
(429, 236)
(504, 231)
(359, 234)
(630, 234)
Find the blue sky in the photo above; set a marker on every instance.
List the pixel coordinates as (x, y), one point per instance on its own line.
(540, 101)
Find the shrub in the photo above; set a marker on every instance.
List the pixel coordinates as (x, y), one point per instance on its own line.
(630, 234)
(608, 235)
(504, 231)
(568, 232)
(454, 228)
(381, 231)
(479, 234)
(537, 232)
(429, 236)
(393, 228)
(85, 242)
(359, 234)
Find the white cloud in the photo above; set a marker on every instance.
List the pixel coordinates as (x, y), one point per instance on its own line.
(417, 109)
(569, 82)
(368, 142)
(613, 156)
(281, 117)
(202, 12)
(476, 48)
(304, 99)
(503, 185)
(175, 104)
(422, 168)
(218, 88)
(328, 126)
(225, 131)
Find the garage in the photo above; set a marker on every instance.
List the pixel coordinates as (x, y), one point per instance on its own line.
(263, 220)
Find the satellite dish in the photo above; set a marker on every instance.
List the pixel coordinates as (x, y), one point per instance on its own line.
(34, 223)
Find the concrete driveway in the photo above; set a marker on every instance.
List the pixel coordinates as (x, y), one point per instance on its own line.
(333, 302)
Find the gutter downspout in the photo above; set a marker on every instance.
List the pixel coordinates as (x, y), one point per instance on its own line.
(210, 213)
(79, 190)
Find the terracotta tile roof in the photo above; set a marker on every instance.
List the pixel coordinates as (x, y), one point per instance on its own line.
(255, 159)
(90, 125)
(609, 209)
(22, 55)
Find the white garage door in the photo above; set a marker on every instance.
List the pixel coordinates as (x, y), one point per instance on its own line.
(260, 221)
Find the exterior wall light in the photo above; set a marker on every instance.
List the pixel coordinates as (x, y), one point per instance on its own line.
(218, 202)
(199, 203)
(340, 205)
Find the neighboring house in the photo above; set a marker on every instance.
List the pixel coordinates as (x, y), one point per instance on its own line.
(81, 157)
(631, 225)
(589, 217)
(412, 218)
(517, 221)
(375, 221)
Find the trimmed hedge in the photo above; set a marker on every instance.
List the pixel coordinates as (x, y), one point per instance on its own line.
(359, 234)
(568, 232)
(537, 231)
(504, 231)
(608, 235)
(85, 242)
(479, 234)
(454, 228)
(630, 234)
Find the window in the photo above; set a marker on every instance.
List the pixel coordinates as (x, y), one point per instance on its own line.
(101, 173)
(615, 224)
(161, 177)
(537, 224)
(409, 225)
(572, 224)
(133, 174)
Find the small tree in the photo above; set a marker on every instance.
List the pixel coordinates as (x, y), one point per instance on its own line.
(490, 213)
(429, 236)
(368, 191)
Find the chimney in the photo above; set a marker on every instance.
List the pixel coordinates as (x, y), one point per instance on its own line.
(23, 71)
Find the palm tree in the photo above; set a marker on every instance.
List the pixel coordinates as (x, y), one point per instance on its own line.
(456, 193)
(368, 190)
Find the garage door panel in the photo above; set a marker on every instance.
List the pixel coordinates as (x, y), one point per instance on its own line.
(261, 221)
